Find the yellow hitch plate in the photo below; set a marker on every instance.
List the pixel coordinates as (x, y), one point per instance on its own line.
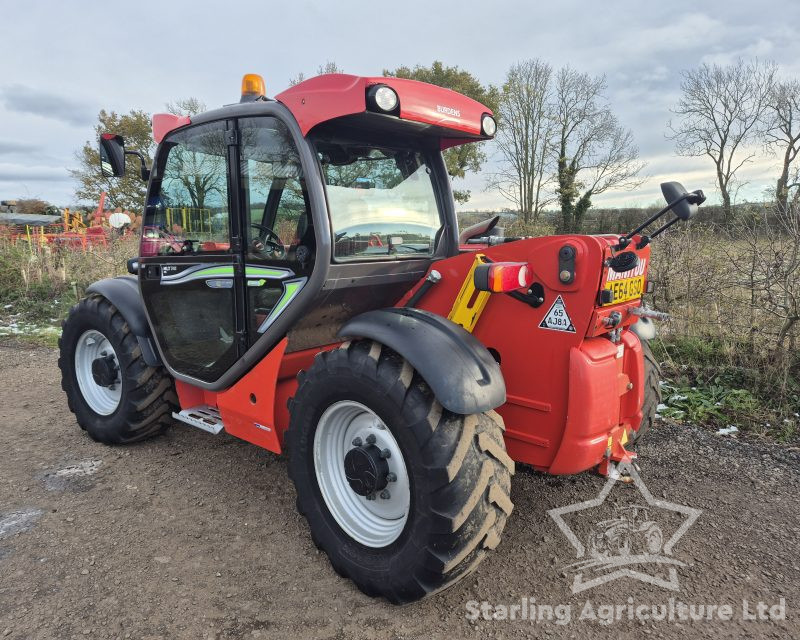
(469, 302)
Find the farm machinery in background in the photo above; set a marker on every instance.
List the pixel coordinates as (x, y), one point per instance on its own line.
(71, 229)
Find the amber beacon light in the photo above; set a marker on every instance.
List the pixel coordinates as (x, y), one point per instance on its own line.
(253, 87)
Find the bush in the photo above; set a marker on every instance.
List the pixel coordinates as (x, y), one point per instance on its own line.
(38, 284)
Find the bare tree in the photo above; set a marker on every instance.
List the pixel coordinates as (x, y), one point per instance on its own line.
(594, 152)
(770, 270)
(186, 107)
(782, 133)
(718, 116)
(328, 67)
(525, 137)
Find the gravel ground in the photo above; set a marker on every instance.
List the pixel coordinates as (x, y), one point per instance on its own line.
(196, 536)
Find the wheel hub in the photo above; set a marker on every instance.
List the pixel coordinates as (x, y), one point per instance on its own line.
(97, 372)
(361, 473)
(105, 370)
(366, 469)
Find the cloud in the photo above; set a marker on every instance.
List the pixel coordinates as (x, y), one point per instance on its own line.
(24, 99)
(9, 147)
(761, 48)
(696, 30)
(10, 172)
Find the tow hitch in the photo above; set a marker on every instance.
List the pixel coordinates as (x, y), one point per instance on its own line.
(617, 458)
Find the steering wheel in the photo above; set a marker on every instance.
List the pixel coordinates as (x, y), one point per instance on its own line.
(268, 243)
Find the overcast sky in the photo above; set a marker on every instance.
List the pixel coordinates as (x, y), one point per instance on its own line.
(63, 61)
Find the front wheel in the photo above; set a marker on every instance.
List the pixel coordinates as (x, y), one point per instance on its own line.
(403, 496)
(115, 396)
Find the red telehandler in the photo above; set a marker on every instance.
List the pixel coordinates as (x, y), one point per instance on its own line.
(302, 284)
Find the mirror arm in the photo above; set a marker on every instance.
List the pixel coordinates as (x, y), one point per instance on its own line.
(665, 227)
(656, 216)
(144, 170)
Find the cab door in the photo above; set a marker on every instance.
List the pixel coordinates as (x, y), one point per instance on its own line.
(280, 244)
(190, 273)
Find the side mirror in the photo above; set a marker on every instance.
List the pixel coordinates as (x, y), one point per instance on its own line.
(689, 202)
(112, 155)
(681, 202)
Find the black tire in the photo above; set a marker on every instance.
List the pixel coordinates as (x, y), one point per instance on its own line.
(148, 393)
(460, 474)
(652, 392)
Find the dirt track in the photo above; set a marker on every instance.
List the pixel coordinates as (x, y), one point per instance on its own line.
(194, 536)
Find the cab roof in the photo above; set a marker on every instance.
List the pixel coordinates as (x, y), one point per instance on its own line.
(448, 115)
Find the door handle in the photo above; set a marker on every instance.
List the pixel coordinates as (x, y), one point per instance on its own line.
(150, 271)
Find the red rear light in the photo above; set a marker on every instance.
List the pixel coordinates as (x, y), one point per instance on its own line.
(501, 277)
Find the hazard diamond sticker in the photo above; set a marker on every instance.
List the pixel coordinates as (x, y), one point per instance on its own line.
(557, 318)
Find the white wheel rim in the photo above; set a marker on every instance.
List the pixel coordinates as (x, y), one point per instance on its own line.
(102, 400)
(374, 523)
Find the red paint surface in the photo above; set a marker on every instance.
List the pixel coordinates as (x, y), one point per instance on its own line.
(335, 95)
(566, 392)
(163, 123)
(272, 381)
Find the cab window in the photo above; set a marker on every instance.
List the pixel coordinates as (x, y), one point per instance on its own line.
(189, 211)
(280, 238)
(381, 201)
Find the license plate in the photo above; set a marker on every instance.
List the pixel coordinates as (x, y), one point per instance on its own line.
(625, 289)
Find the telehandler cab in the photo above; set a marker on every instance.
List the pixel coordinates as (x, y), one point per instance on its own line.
(302, 284)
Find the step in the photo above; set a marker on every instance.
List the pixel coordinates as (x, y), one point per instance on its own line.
(203, 417)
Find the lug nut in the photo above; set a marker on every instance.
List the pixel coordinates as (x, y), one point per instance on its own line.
(390, 477)
(371, 438)
(385, 453)
(385, 495)
(357, 442)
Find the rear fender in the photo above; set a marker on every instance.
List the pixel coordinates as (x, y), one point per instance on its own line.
(123, 293)
(457, 367)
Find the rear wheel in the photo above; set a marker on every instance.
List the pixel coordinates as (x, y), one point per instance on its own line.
(652, 392)
(115, 396)
(403, 496)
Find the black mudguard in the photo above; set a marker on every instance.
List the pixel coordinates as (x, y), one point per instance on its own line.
(123, 293)
(458, 368)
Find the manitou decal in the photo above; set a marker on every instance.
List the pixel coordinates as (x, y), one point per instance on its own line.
(638, 270)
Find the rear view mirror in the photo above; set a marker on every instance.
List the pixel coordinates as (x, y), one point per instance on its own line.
(682, 203)
(687, 207)
(112, 155)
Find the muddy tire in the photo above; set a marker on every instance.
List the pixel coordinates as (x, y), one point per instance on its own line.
(139, 401)
(457, 469)
(652, 392)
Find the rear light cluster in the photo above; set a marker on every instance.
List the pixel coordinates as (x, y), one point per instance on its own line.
(502, 277)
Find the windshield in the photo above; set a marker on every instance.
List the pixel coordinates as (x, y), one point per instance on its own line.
(382, 202)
